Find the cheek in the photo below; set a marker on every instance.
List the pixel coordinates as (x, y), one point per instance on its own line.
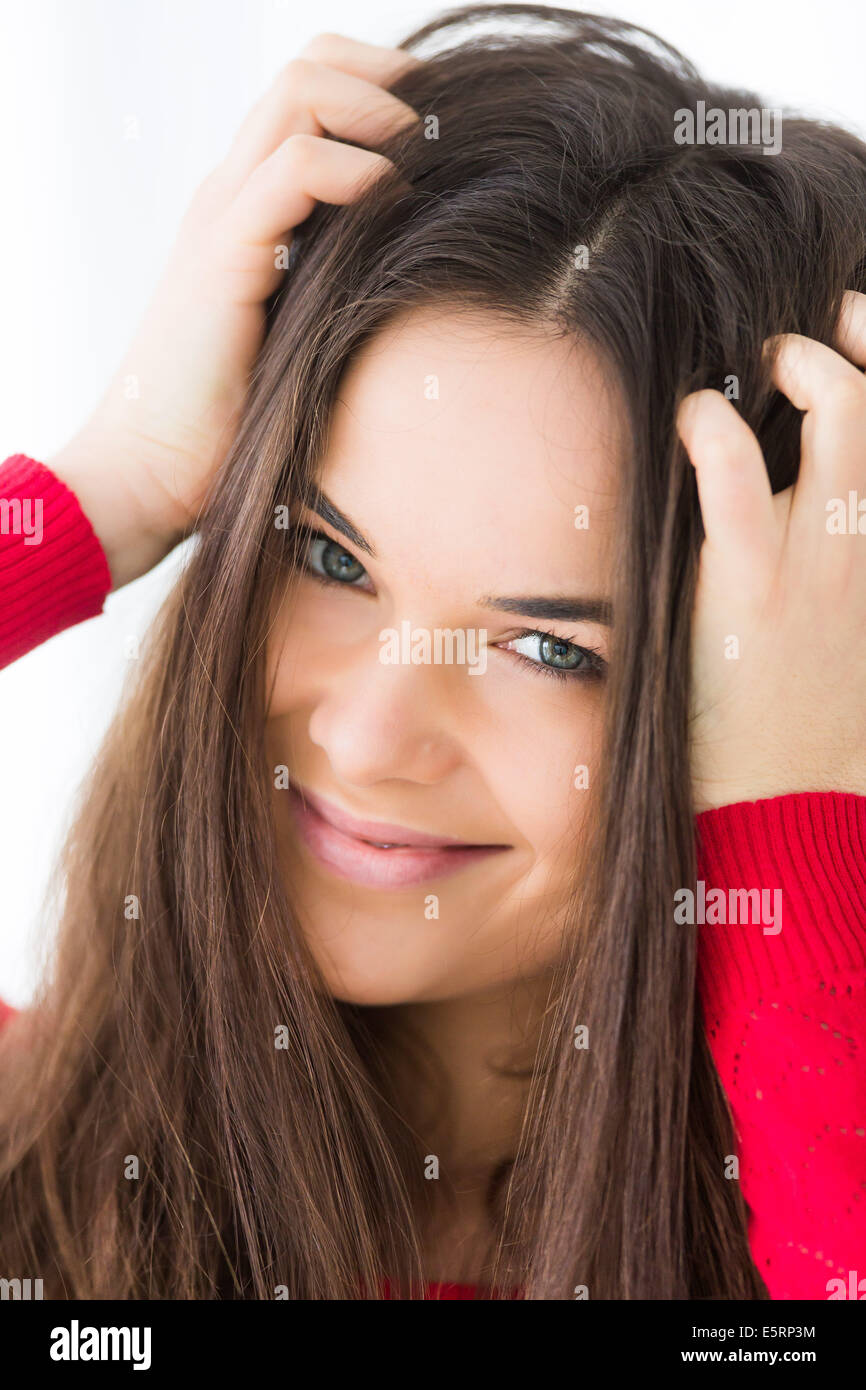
(547, 781)
(306, 637)
(281, 666)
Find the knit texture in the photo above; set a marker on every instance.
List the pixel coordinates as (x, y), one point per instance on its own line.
(786, 1017)
(53, 571)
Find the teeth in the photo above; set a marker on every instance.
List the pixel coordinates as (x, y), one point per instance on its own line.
(378, 846)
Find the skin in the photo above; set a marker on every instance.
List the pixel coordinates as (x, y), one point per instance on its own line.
(422, 745)
(462, 496)
(793, 592)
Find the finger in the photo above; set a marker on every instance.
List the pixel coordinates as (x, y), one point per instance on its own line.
(850, 337)
(733, 486)
(282, 192)
(344, 96)
(370, 60)
(811, 374)
(832, 393)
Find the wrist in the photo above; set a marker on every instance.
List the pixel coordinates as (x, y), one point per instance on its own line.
(133, 537)
(833, 778)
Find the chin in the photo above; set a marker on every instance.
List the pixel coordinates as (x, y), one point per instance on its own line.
(357, 982)
(373, 991)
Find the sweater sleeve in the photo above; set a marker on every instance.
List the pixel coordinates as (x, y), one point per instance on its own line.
(783, 991)
(53, 570)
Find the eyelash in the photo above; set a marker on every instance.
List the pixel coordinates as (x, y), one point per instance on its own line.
(595, 668)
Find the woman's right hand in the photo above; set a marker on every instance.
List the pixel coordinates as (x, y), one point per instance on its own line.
(142, 463)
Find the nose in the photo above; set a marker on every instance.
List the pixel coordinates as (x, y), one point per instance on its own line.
(387, 721)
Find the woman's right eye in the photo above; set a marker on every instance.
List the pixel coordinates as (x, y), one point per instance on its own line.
(330, 563)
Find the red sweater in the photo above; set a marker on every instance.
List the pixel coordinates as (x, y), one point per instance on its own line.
(785, 1009)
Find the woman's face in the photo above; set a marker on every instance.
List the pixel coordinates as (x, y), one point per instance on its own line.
(439, 672)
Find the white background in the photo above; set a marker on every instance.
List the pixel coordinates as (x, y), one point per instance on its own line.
(87, 218)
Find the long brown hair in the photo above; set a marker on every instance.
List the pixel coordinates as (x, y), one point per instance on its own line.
(178, 953)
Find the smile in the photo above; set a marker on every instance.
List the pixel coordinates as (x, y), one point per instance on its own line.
(375, 854)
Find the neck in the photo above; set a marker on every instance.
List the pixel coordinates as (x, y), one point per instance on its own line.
(483, 1047)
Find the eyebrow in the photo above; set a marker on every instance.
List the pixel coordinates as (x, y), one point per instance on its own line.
(324, 507)
(553, 608)
(558, 609)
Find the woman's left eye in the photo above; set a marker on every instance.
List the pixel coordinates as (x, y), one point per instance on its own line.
(327, 561)
(555, 656)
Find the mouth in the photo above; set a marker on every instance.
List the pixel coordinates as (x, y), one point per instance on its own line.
(377, 854)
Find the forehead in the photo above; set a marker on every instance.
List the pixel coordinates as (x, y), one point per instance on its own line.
(460, 433)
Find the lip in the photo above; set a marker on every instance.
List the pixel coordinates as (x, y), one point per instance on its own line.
(342, 843)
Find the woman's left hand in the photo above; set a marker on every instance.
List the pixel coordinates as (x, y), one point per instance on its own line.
(779, 638)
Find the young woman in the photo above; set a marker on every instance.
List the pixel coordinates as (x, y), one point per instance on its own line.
(469, 899)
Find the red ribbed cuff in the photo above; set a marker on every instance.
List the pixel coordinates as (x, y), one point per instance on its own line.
(812, 847)
(53, 570)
